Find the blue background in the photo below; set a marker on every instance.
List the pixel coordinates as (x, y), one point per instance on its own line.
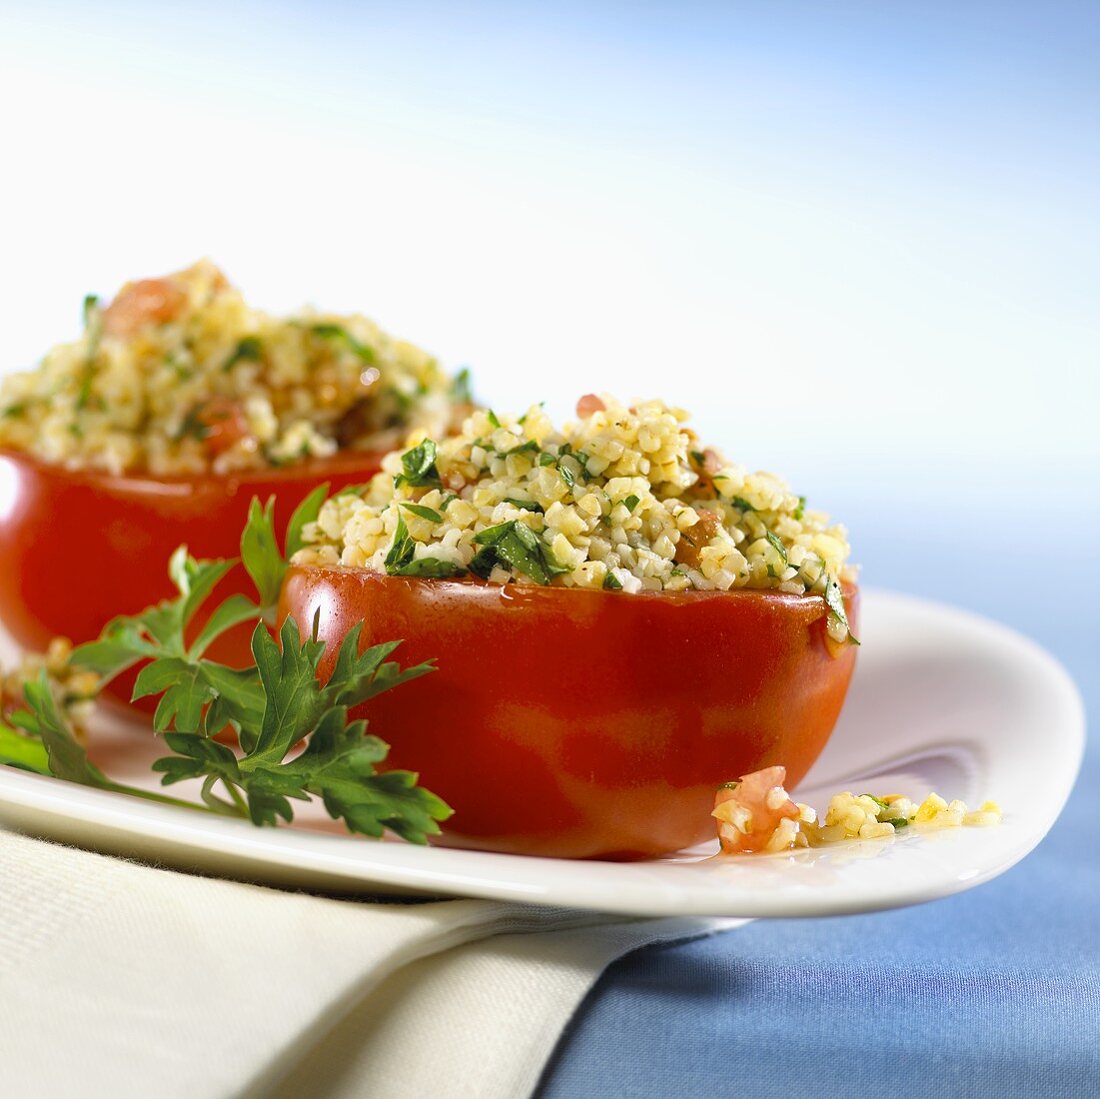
(861, 240)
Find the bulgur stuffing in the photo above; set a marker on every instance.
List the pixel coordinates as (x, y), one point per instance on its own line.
(757, 814)
(179, 375)
(623, 498)
(74, 689)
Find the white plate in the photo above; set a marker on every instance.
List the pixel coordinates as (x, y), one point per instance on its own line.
(941, 700)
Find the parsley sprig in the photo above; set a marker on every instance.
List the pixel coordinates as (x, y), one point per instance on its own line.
(274, 707)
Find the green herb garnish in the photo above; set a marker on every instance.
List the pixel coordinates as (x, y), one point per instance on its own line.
(423, 512)
(273, 707)
(801, 509)
(248, 349)
(419, 467)
(742, 503)
(402, 560)
(519, 546)
(878, 801)
(340, 334)
(460, 387)
(612, 583)
(834, 600)
(93, 332)
(492, 417)
(776, 544)
(530, 446)
(527, 505)
(631, 503)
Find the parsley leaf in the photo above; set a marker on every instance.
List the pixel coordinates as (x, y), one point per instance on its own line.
(517, 545)
(93, 332)
(612, 583)
(402, 560)
(423, 512)
(834, 600)
(529, 447)
(461, 392)
(260, 552)
(419, 467)
(248, 349)
(274, 706)
(23, 751)
(340, 334)
(631, 503)
(776, 544)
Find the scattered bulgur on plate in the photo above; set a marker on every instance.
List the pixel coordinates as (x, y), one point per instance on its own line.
(180, 376)
(756, 814)
(623, 498)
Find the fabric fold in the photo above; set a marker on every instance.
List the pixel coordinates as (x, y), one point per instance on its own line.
(127, 980)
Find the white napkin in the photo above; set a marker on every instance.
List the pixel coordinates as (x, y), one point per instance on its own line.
(123, 980)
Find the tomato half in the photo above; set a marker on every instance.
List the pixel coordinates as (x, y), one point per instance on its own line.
(79, 548)
(580, 723)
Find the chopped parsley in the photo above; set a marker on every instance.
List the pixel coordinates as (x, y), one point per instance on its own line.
(878, 801)
(460, 387)
(631, 502)
(248, 349)
(530, 446)
(834, 600)
(742, 503)
(612, 583)
(340, 334)
(423, 512)
(419, 467)
(517, 545)
(526, 505)
(801, 509)
(776, 544)
(402, 559)
(93, 330)
(492, 417)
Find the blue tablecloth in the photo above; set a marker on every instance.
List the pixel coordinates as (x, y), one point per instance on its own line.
(994, 992)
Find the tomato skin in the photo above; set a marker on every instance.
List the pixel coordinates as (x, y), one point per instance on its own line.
(79, 548)
(585, 724)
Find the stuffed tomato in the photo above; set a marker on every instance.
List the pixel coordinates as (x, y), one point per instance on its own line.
(620, 621)
(177, 405)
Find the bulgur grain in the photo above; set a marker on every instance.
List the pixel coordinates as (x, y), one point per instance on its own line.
(179, 376)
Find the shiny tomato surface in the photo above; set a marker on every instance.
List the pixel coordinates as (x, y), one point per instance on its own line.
(581, 723)
(79, 548)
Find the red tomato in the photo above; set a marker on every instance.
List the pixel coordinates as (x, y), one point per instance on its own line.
(79, 548)
(220, 423)
(581, 723)
(760, 801)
